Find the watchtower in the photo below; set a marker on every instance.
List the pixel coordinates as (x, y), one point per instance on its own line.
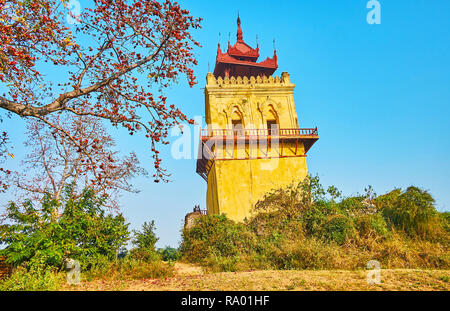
(252, 143)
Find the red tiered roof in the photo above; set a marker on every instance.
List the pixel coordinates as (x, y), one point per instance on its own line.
(240, 59)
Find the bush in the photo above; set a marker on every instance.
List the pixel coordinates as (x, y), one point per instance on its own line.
(445, 220)
(215, 235)
(33, 277)
(370, 225)
(338, 228)
(145, 239)
(299, 227)
(305, 254)
(413, 212)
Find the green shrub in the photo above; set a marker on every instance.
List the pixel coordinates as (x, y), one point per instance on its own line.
(221, 263)
(146, 238)
(352, 205)
(445, 220)
(143, 254)
(310, 253)
(144, 241)
(338, 228)
(215, 235)
(314, 219)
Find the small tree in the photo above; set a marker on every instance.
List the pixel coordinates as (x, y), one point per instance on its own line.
(144, 241)
(146, 238)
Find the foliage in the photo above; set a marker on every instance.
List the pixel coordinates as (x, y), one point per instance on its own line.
(304, 226)
(215, 236)
(369, 225)
(144, 242)
(145, 239)
(445, 218)
(4, 173)
(413, 212)
(31, 280)
(169, 253)
(83, 232)
(338, 228)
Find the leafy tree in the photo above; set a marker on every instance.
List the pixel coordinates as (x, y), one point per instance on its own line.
(113, 64)
(144, 241)
(84, 232)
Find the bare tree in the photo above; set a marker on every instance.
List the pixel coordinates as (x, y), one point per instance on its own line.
(55, 161)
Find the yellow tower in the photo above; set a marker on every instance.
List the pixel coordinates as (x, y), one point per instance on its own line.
(252, 143)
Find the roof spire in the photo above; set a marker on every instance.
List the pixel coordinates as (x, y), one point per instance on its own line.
(274, 50)
(218, 45)
(239, 35)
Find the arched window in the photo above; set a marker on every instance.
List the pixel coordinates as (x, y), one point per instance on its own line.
(272, 122)
(237, 122)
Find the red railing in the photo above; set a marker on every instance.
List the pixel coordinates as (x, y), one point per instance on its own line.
(260, 132)
(307, 136)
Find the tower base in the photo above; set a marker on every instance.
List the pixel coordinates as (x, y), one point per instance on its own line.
(235, 186)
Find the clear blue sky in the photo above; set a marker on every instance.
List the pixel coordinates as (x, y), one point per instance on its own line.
(379, 95)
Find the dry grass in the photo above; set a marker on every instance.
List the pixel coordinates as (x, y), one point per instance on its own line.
(192, 278)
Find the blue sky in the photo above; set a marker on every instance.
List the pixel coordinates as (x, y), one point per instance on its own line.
(379, 95)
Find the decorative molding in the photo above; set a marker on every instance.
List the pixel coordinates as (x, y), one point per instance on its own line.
(284, 79)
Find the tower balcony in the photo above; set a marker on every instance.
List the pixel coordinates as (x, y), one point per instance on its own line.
(297, 140)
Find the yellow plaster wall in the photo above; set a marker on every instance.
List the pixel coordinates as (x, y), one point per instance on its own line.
(242, 183)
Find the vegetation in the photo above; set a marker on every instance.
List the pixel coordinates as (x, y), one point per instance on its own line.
(169, 254)
(83, 232)
(39, 243)
(305, 227)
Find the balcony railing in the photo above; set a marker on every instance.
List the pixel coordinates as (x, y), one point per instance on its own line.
(287, 132)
